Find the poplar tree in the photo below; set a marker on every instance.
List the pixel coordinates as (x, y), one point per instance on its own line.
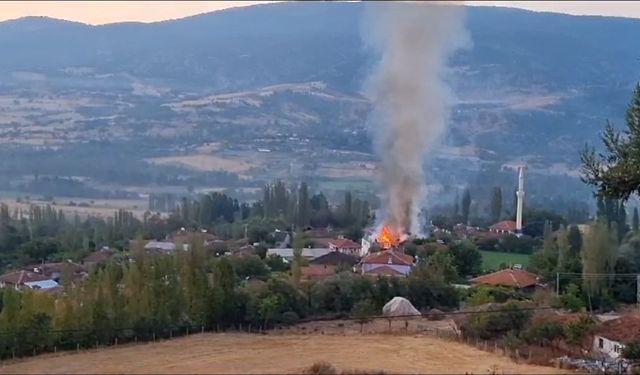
(496, 204)
(615, 172)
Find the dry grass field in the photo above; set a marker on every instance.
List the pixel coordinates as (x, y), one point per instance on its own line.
(285, 353)
(99, 208)
(204, 162)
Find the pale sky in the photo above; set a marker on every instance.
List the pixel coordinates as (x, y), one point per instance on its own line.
(101, 12)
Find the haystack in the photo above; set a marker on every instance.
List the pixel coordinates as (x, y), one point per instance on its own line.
(399, 306)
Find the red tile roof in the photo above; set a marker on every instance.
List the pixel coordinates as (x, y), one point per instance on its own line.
(99, 256)
(390, 256)
(59, 267)
(21, 277)
(504, 226)
(334, 258)
(384, 271)
(317, 271)
(624, 329)
(508, 277)
(344, 243)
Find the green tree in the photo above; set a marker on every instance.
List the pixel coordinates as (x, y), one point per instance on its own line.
(304, 206)
(456, 207)
(632, 350)
(598, 257)
(466, 204)
(442, 265)
(496, 204)
(564, 248)
(614, 173)
(268, 309)
(549, 248)
(468, 259)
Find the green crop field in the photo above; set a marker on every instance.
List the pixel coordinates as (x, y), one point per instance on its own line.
(493, 259)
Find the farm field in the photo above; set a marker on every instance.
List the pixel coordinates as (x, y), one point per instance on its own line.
(493, 259)
(285, 353)
(96, 207)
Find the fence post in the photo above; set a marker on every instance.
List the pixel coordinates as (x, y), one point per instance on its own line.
(202, 329)
(55, 349)
(116, 341)
(34, 352)
(495, 347)
(77, 347)
(154, 337)
(170, 333)
(135, 339)
(187, 331)
(97, 343)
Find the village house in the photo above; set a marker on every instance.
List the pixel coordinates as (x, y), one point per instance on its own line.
(335, 258)
(317, 271)
(327, 265)
(504, 227)
(101, 256)
(307, 253)
(55, 270)
(345, 245)
(20, 279)
(390, 262)
(509, 277)
(613, 335)
(165, 247)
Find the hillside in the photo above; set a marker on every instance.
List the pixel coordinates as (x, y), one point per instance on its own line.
(288, 78)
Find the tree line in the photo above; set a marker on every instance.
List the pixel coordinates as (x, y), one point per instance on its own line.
(154, 295)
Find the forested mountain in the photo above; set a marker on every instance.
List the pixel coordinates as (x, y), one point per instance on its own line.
(533, 86)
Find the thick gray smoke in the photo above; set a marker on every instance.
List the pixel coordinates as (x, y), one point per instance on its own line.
(414, 41)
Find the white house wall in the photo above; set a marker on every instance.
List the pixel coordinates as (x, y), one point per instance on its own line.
(608, 347)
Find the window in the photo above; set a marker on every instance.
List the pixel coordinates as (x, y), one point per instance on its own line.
(600, 343)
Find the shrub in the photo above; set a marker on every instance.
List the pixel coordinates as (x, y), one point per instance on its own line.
(571, 299)
(321, 368)
(497, 323)
(289, 317)
(544, 332)
(632, 350)
(575, 332)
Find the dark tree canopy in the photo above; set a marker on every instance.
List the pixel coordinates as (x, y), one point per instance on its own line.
(616, 172)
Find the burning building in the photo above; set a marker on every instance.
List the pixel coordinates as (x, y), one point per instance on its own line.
(411, 102)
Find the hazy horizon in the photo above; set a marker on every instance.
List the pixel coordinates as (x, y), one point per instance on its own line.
(104, 12)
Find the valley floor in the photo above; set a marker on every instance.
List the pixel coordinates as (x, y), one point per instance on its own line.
(284, 353)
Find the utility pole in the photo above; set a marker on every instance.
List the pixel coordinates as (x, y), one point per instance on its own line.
(558, 283)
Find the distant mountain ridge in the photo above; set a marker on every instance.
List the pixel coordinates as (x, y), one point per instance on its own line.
(534, 86)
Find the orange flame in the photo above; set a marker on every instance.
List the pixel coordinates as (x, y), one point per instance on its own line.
(387, 239)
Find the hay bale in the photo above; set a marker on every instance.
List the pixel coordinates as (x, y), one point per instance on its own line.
(399, 306)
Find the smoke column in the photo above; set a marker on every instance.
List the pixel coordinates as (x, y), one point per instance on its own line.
(414, 41)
